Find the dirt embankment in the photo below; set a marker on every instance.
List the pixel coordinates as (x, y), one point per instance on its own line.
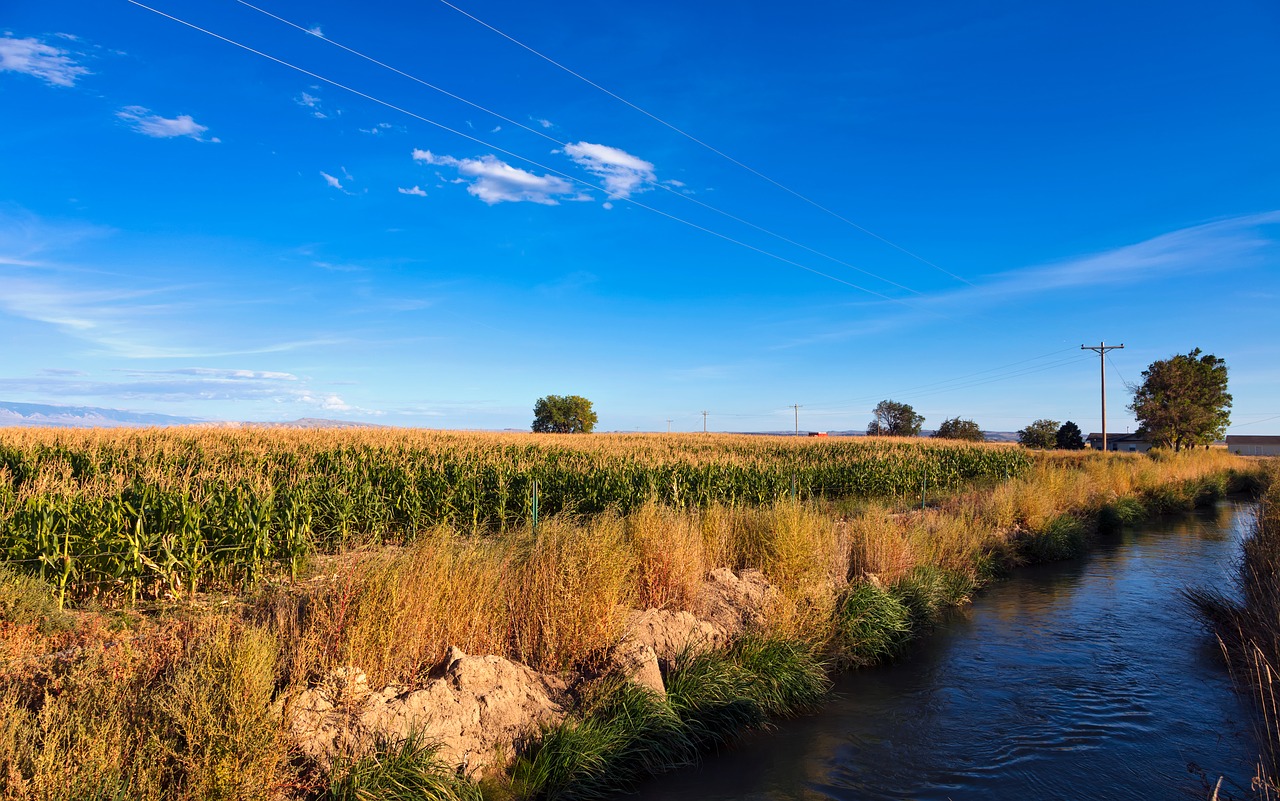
(483, 710)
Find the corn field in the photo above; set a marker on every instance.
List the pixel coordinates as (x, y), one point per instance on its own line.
(136, 514)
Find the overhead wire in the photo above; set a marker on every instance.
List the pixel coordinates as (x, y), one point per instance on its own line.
(700, 142)
(512, 154)
(559, 143)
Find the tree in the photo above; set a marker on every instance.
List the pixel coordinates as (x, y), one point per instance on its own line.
(955, 428)
(1183, 401)
(563, 414)
(1040, 434)
(894, 419)
(1069, 437)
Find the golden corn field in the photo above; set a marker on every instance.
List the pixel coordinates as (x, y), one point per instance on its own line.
(137, 513)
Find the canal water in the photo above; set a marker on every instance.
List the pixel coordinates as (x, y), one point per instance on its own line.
(1080, 679)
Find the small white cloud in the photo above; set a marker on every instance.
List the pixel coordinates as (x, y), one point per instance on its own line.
(308, 100)
(623, 173)
(315, 31)
(148, 124)
(381, 127)
(544, 123)
(494, 181)
(33, 57)
(333, 182)
(607, 205)
(415, 190)
(496, 128)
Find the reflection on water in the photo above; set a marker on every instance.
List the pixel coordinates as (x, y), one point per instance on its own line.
(1082, 678)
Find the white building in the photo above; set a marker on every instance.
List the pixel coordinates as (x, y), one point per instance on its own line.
(1253, 445)
(1125, 443)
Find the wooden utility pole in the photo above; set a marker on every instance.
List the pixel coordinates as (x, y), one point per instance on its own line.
(796, 406)
(704, 422)
(1101, 349)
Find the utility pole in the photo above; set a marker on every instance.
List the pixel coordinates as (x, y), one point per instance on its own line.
(704, 422)
(668, 425)
(1101, 349)
(796, 406)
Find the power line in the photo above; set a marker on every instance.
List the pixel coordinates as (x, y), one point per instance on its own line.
(512, 154)
(698, 141)
(560, 143)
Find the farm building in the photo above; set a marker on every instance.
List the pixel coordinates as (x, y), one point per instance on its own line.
(1130, 443)
(1254, 445)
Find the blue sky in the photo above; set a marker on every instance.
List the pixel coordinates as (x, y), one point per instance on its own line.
(730, 207)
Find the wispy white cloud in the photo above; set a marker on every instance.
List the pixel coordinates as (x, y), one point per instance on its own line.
(375, 130)
(413, 190)
(543, 123)
(623, 173)
(340, 268)
(334, 182)
(312, 102)
(148, 124)
(1209, 247)
(494, 181)
(315, 30)
(218, 373)
(1214, 247)
(30, 56)
(185, 385)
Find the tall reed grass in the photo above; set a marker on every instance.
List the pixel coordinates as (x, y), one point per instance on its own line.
(1246, 620)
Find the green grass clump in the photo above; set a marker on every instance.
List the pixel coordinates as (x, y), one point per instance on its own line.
(1121, 512)
(401, 770)
(1063, 537)
(787, 677)
(870, 624)
(927, 590)
(718, 694)
(626, 733)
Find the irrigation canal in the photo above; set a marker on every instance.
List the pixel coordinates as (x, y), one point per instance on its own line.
(1081, 679)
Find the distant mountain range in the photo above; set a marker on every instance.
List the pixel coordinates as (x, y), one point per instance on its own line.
(42, 414)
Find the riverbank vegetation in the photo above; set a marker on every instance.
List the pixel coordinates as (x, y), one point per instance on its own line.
(158, 687)
(1246, 620)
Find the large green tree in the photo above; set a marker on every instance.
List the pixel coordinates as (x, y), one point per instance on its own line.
(1069, 437)
(894, 419)
(563, 414)
(1183, 401)
(1042, 433)
(955, 428)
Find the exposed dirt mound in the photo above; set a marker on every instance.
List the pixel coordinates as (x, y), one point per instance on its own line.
(737, 602)
(669, 633)
(481, 710)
